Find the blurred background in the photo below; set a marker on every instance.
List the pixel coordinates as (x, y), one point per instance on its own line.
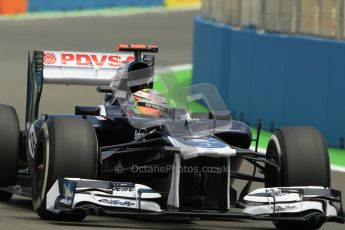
(321, 18)
(281, 61)
(86, 25)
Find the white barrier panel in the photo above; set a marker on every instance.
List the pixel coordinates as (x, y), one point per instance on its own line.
(309, 17)
(217, 10)
(257, 7)
(288, 16)
(341, 20)
(328, 21)
(206, 9)
(323, 18)
(246, 11)
(234, 7)
(228, 13)
(271, 15)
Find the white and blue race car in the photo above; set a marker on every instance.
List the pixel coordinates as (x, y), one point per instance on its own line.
(153, 148)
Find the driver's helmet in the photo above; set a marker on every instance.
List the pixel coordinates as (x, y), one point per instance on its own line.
(147, 103)
(130, 79)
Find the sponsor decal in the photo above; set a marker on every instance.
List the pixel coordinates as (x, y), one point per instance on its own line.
(123, 189)
(152, 106)
(63, 203)
(86, 59)
(281, 208)
(116, 202)
(275, 192)
(210, 143)
(49, 59)
(66, 201)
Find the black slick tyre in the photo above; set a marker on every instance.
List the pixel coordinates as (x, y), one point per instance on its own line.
(9, 149)
(66, 147)
(302, 154)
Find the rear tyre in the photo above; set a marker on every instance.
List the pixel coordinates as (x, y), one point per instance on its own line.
(304, 161)
(9, 149)
(66, 147)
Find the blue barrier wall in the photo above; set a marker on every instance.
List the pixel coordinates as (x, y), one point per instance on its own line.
(281, 79)
(64, 5)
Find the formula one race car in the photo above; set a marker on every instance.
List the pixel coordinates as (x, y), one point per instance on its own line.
(156, 149)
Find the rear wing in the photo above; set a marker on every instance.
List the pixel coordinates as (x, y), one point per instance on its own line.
(68, 68)
(79, 68)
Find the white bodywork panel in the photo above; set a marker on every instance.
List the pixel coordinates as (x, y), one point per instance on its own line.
(120, 197)
(197, 147)
(82, 68)
(266, 201)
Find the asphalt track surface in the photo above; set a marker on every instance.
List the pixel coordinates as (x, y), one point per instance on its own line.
(173, 32)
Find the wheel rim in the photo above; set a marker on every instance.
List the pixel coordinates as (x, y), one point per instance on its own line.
(38, 175)
(273, 177)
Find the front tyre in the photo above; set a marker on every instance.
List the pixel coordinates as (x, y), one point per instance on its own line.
(303, 157)
(302, 154)
(66, 147)
(9, 149)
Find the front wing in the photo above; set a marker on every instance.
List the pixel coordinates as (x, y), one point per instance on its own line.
(69, 195)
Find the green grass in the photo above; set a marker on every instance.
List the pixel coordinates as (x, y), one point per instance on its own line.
(184, 79)
(170, 84)
(264, 137)
(337, 156)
